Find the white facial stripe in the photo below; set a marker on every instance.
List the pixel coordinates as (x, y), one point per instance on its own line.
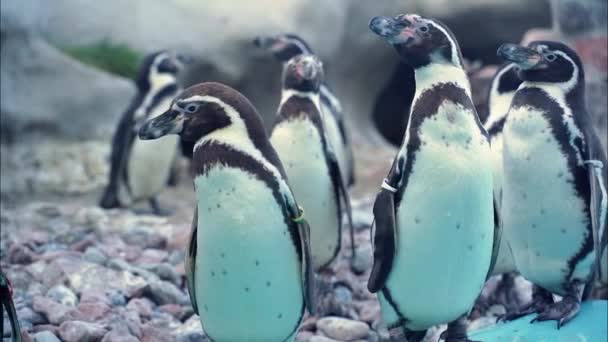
(235, 135)
(157, 81)
(571, 83)
(299, 44)
(498, 103)
(453, 44)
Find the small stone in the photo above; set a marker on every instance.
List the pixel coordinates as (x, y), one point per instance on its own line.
(163, 292)
(119, 336)
(20, 254)
(363, 259)
(151, 333)
(115, 297)
(45, 336)
(95, 255)
(93, 312)
(54, 312)
(62, 295)
(176, 257)
(319, 338)
(190, 331)
(304, 336)
(152, 256)
(93, 217)
(165, 271)
(369, 311)
(78, 331)
(343, 294)
(145, 238)
(343, 329)
(27, 314)
(143, 306)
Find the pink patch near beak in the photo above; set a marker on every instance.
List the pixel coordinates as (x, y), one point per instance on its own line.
(408, 32)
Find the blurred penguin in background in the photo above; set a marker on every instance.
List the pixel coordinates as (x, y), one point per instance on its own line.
(140, 169)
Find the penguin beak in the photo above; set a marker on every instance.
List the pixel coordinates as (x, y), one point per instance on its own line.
(308, 67)
(396, 31)
(170, 122)
(522, 56)
(383, 26)
(269, 43)
(185, 60)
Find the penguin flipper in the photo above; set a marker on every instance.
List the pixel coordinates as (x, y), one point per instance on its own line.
(497, 239)
(383, 240)
(191, 261)
(6, 301)
(338, 182)
(308, 279)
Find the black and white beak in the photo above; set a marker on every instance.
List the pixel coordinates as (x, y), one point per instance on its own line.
(170, 122)
(524, 57)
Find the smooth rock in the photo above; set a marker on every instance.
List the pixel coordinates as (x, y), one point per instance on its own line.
(144, 238)
(54, 312)
(95, 255)
(363, 258)
(143, 306)
(20, 254)
(304, 336)
(27, 314)
(62, 295)
(190, 331)
(342, 329)
(45, 336)
(119, 336)
(163, 292)
(165, 271)
(320, 338)
(78, 331)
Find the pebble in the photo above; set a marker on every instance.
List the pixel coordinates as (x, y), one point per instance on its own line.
(163, 292)
(144, 238)
(45, 336)
(320, 338)
(165, 271)
(119, 336)
(363, 259)
(343, 329)
(62, 295)
(27, 314)
(143, 306)
(304, 336)
(54, 312)
(152, 256)
(190, 331)
(20, 254)
(78, 331)
(95, 255)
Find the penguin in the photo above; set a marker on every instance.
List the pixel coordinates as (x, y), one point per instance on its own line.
(248, 264)
(6, 302)
(286, 46)
(301, 141)
(140, 169)
(434, 234)
(554, 205)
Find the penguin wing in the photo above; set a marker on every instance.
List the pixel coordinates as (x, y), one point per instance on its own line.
(383, 240)
(496, 242)
(6, 301)
(307, 272)
(598, 178)
(191, 261)
(341, 193)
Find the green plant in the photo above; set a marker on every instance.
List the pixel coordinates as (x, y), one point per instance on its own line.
(114, 58)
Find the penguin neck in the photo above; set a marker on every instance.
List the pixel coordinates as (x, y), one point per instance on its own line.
(433, 74)
(313, 96)
(158, 90)
(498, 105)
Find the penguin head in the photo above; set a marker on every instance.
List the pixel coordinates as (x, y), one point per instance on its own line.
(160, 68)
(419, 41)
(284, 46)
(196, 112)
(546, 62)
(303, 73)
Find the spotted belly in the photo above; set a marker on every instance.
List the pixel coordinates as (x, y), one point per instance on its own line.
(298, 144)
(445, 224)
(545, 220)
(247, 272)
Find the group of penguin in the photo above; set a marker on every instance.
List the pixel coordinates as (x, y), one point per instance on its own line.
(523, 191)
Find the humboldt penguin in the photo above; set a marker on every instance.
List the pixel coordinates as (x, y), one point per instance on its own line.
(433, 234)
(301, 141)
(140, 169)
(248, 264)
(554, 178)
(286, 46)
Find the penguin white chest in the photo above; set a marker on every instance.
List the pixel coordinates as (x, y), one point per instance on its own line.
(150, 161)
(544, 219)
(247, 272)
(299, 146)
(445, 221)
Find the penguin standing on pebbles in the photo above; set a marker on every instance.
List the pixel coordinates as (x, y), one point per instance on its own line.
(300, 140)
(248, 264)
(434, 218)
(140, 169)
(554, 205)
(286, 46)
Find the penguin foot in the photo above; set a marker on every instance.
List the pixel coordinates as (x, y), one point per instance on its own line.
(562, 312)
(158, 210)
(456, 331)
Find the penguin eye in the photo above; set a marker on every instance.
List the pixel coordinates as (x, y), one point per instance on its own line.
(192, 108)
(550, 57)
(424, 29)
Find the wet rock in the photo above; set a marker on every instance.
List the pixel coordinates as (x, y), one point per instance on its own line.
(54, 312)
(190, 331)
(343, 329)
(45, 336)
(20, 254)
(78, 331)
(144, 238)
(95, 255)
(62, 295)
(143, 306)
(163, 292)
(363, 258)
